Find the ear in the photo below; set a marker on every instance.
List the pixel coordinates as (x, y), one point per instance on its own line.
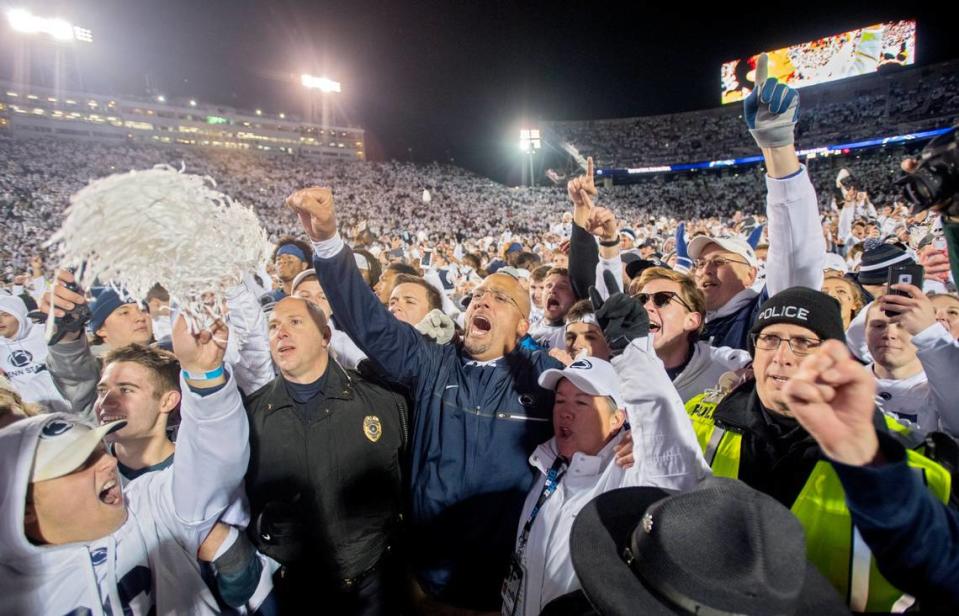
(692, 321)
(170, 401)
(617, 419)
(751, 276)
(522, 328)
(327, 334)
(101, 333)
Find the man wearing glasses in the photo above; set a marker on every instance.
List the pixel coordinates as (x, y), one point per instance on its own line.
(725, 268)
(677, 312)
(478, 415)
(751, 435)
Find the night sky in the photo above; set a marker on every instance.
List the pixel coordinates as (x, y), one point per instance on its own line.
(451, 80)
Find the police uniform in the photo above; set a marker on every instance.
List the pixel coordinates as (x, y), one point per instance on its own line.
(325, 485)
(774, 454)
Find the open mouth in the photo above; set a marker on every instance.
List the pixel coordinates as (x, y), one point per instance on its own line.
(552, 303)
(654, 327)
(482, 324)
(563, 432)
(110, 493)
(778, 380)
(105, 418)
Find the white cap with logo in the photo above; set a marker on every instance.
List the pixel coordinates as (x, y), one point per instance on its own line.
(590, 375)
(731, 244)
(65, 445)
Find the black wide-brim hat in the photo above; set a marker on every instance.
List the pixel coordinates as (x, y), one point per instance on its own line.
(602, 532)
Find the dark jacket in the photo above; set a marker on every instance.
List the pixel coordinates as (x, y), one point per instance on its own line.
(324, 480)
(474, 428)
(914, 537)
(732, 330)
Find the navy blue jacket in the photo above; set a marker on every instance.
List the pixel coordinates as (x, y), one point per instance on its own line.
(914, 537)
(733, 330)
(474, 428)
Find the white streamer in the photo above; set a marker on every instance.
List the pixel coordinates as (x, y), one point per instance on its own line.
(137, 229)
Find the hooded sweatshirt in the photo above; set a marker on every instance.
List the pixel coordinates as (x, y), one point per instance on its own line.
(137, 569)
(23, 358)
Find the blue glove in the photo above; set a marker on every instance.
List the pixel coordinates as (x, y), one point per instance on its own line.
(754, 236)
(683, 262)
(771, 110)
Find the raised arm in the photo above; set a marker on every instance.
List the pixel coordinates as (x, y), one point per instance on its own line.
(796, 244)
(252, 363)
(213, 448)
(397, 347)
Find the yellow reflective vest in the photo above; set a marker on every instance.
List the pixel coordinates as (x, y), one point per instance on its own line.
(832, 542)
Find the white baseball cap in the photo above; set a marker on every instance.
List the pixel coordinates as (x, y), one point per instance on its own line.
(590, 375)
(65, 445)
(732, 244)
(835, 262)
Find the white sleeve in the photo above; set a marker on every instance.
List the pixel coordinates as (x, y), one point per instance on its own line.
(614, 265)
(212, 454)
(938, 352)
(797, 248)
(665, 449)
(347, 353)
(846, 216)
(253, 365)
(37, 287)
(856, 336)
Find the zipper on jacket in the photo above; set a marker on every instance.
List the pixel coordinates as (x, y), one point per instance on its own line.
(515, 417)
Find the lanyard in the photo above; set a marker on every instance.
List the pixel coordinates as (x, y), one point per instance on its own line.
(553, 475)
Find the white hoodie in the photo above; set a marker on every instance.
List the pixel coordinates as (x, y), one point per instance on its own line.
(138, 568)
(23, 358)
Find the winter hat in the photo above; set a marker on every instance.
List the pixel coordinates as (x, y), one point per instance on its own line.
(801, 306)
(105, 301)
(877, 257)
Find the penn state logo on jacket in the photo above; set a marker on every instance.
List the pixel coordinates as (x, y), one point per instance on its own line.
(20, 358)
(55, 428)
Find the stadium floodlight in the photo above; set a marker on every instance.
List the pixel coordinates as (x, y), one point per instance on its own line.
(529, 140)
(192, 103)
(320, 83)
(259, 112)
(25, 22)
(161, 99)
(282, 116)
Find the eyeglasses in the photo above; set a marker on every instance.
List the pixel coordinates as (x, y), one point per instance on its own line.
(661, 298)
(798, 344)
(717, 262)
(498, 296)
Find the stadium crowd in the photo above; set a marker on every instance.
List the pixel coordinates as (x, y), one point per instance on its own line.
(711, 393)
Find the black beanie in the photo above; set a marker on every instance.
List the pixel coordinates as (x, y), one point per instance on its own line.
(877, 257)
(801, 306)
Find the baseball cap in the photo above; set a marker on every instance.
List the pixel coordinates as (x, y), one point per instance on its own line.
(730, 244)
(65, 445)
(835, 262)
(590, 375)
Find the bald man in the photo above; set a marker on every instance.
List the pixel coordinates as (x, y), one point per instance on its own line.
(478, 415)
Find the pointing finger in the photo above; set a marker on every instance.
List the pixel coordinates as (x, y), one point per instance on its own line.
(762, 69)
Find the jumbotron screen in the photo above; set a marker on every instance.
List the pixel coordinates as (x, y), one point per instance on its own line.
(857, 52)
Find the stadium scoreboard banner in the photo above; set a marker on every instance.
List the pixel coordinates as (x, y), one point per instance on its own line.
(857, 52)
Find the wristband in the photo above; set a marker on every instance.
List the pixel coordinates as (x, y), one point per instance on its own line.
(203, 376)
(609, 243)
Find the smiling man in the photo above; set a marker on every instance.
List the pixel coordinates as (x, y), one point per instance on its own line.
(478, 414)
(76, 541)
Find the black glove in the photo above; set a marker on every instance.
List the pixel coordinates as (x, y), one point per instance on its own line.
(74, 321)
(621, 317)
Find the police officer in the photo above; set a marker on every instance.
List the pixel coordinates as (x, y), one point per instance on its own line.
(324, 479)
(750, 434)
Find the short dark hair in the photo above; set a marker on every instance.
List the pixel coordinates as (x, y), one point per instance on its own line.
(579, 310)
(527, 260)
(402, 268)
(162, 364)
(557, 271)
(289, 239)
(158, 292)
(539, 274)
(433, 296)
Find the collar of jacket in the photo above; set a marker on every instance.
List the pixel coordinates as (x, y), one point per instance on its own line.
(339, 387)
(740, 410)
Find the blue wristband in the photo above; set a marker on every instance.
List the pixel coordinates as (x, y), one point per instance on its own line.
(203, 376)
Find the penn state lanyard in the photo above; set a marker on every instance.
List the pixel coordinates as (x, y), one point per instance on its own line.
(553, 475)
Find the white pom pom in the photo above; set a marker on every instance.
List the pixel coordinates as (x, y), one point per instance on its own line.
(137, 229)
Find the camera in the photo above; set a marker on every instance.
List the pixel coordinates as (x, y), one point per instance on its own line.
(935, 181)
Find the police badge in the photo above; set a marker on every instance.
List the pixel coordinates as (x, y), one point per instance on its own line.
(372, 428)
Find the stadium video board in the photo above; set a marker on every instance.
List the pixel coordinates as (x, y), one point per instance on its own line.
(875, 48)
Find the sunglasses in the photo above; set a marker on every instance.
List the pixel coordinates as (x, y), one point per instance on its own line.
(661, 298)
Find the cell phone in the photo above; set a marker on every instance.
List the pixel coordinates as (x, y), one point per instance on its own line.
(427, 259)
(909, 273)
